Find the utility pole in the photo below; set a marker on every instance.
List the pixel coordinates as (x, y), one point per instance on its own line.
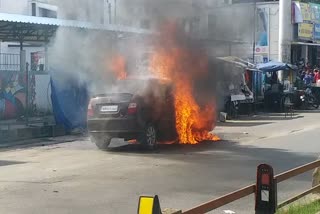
(109, 11)
(115, 11)
(254, 30)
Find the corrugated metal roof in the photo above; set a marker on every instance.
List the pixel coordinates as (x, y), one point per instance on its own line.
(6, 17)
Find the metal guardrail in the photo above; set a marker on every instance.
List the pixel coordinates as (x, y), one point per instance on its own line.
(226, 199)
(219, 202)
(295, 198)
(266, 183)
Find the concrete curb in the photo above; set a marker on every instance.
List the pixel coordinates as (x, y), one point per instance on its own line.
(7, 136)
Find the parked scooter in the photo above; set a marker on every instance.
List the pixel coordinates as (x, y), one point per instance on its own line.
(308, 100)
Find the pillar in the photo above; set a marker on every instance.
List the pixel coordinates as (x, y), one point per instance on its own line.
(285, 33)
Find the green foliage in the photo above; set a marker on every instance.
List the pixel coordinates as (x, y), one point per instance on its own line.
(311, 208)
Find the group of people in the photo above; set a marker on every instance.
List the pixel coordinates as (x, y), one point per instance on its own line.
(310, 75)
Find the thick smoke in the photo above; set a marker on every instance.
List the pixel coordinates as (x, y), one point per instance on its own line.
(81, 55)
(87, 54)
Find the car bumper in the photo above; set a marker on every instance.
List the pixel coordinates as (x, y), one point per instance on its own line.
(114, 125)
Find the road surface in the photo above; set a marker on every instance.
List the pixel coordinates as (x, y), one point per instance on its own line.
(75, 177)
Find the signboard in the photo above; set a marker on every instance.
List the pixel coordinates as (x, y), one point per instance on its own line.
(305, 11)
(305, 31)
(262, 33)
(316, 32)
(315, 12)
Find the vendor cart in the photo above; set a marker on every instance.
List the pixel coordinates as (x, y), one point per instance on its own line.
(277, 93)
(315, 88)
(239, 98)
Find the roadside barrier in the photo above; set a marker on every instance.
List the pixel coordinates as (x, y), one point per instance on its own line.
(265, 190)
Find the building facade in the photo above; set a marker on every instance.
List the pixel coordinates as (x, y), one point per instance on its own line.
(295, 23)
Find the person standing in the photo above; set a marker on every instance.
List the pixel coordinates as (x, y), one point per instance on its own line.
(316, 76)
(308, 78)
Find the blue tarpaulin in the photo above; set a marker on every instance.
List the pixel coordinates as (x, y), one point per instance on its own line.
(273, 66)
(69, 102)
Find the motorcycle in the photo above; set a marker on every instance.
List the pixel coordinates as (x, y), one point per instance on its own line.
(309, 100)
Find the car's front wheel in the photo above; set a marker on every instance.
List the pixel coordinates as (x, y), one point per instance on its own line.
(148, 138)
(101, 141)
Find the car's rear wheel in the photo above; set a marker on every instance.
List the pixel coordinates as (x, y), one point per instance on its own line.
(101, 141)
(148, 138)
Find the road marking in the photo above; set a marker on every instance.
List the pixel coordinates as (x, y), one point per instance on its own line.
(229, 212)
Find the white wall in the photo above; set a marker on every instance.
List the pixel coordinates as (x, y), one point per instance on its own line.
(43, 93)
(133, 12)
(234, 25)
(15, 6)
(82, 10)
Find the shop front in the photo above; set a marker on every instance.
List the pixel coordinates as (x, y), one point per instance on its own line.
(306, 44)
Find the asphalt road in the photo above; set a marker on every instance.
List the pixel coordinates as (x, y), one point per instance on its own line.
(75, 177)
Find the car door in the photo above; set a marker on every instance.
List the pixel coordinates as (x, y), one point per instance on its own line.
(166, 126)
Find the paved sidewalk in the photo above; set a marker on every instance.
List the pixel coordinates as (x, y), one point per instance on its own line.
(36, 127)
(249, 129)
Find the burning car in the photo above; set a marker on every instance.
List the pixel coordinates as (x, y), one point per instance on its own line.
(139, 108)
(172, 101)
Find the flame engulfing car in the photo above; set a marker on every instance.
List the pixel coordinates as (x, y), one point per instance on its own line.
(135, 109)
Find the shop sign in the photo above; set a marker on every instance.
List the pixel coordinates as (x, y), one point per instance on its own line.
(262, 49)
(305, 11)
(315, 12)
(316, 32)
(262, 32)
(305, 31)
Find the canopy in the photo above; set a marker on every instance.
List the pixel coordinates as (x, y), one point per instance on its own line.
(21, 28)
(273, 66)
(237, 61)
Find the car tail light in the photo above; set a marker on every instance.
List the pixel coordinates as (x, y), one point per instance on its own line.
(132, 108)
(90, 112)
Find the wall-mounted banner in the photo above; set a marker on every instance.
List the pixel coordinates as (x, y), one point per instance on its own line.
(316, 32)
(305, 31)
(305, 11)
(315, 12)
(262, 32)
(301, 12)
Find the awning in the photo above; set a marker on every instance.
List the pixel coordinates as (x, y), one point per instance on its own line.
(14, 27)
(237, 61)
(305, 43)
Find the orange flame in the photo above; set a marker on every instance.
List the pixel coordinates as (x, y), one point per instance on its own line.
(118, 66)
(174, 59)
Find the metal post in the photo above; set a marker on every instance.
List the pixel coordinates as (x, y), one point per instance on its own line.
(266, 190)
(109, 12)
(46, 58)
(254, 30)
(115, 11)
(25, 70)
(307, 53)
